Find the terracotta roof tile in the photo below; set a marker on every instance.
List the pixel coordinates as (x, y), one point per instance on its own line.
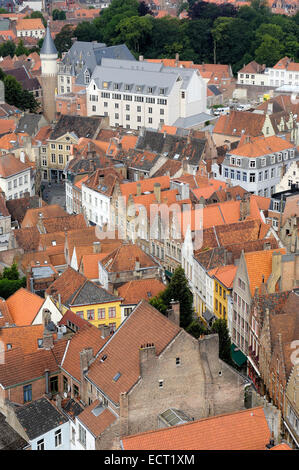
(18, 368)
(64, 223)
(251, 123)
(32, 215)
(96, 424)
(87, 337)
(144, 325)
(134, 291)
(146, 185)
(124, 259)
(89, 264)
(259, 266)
(66, 285)
(241, 430)
(260, 146)
(225, 274)
(5, 316)
(29, 24)
(75, 319)
(10, 165)
(7, 125)
(23, 306)
(23, 337)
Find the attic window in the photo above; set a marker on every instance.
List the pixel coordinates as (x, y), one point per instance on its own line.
(149, 294)
(161, 383)
(116, 377)
(9, 346)
(40, 342)
(53, 242)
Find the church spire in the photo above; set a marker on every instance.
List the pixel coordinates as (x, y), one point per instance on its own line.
(48, 46)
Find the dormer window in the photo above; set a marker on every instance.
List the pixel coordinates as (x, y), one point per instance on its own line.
(285, 155)
(86, 77)
(150, 90)
(233, 160)
(272, 158)
(252, 164)
(263, 162)
(105, 84)
(116, 86)
(279, 157)
(162, 91)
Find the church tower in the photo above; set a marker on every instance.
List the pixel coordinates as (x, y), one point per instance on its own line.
(48, 56)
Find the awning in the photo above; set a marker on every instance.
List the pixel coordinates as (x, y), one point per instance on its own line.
(168, 273)
(237, 356)
(208, 316)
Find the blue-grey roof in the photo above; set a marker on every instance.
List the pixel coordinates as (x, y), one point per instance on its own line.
(192, 121)
(48, 46)
(139, 77)
(84, 56)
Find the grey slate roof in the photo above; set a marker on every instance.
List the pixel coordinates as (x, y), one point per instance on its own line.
(194, 120)
(78, 125)
(140, 76)
(84, 56)
(9, 438)
(39, 417)
(48, 46)
(90, 293)
(29, 123)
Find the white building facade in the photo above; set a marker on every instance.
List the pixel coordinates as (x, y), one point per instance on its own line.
(143, 94)
(261, 173)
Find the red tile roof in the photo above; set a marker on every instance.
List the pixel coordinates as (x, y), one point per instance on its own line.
(23, 306)
(146, 185)
(144, 325)
(124, 259)
(134, 291)
(241, 430)
(32, 215)
(96, 424)
(66, 285)
(7, 125)
(10, 165)
(87, 337)
(259, 146)
(237, 121)
(23, 337)
(225, 275)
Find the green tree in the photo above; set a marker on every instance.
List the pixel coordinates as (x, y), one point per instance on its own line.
(158, 303)
(10, 281)
(7, 48)
(21, 49)
(269, 52)
(196, 329)
(178, 289)
(63, 40)
(134, 32)
(87, 32)
(11, 273)
(58, 15)
(16, 96)
(2, 10)
(219, 326)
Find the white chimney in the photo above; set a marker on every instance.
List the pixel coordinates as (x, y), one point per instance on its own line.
(22, 156)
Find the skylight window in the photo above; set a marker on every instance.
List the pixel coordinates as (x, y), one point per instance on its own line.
(116, 377)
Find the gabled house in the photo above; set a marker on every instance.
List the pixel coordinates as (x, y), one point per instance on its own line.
(148, 356)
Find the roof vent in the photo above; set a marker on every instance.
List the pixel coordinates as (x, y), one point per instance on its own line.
(103, 358)
(116, 377)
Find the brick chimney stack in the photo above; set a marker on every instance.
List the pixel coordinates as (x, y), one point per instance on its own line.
(173, 313)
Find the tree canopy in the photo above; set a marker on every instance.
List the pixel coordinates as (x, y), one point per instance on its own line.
(16, 96)
(10, 281)
(213, 33)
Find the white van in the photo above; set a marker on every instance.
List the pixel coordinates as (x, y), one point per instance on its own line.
(220, 111)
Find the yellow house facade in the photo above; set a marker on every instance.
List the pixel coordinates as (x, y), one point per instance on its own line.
(223, 284)
(101, 313)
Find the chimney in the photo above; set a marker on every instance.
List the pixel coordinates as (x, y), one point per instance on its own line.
(47, 340)
(58, 401)
(147, 358)
(124, 414)
(244, 208)
(138, 189)
(86, 355)
(22, 156)
(173, 313)
(137, 264)
(177, 58)
(47, 373)
(97, 247)
(105, 331)
(157, 192)
(141, 58)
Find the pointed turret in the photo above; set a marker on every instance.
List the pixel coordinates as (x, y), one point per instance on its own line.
(48, 46)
